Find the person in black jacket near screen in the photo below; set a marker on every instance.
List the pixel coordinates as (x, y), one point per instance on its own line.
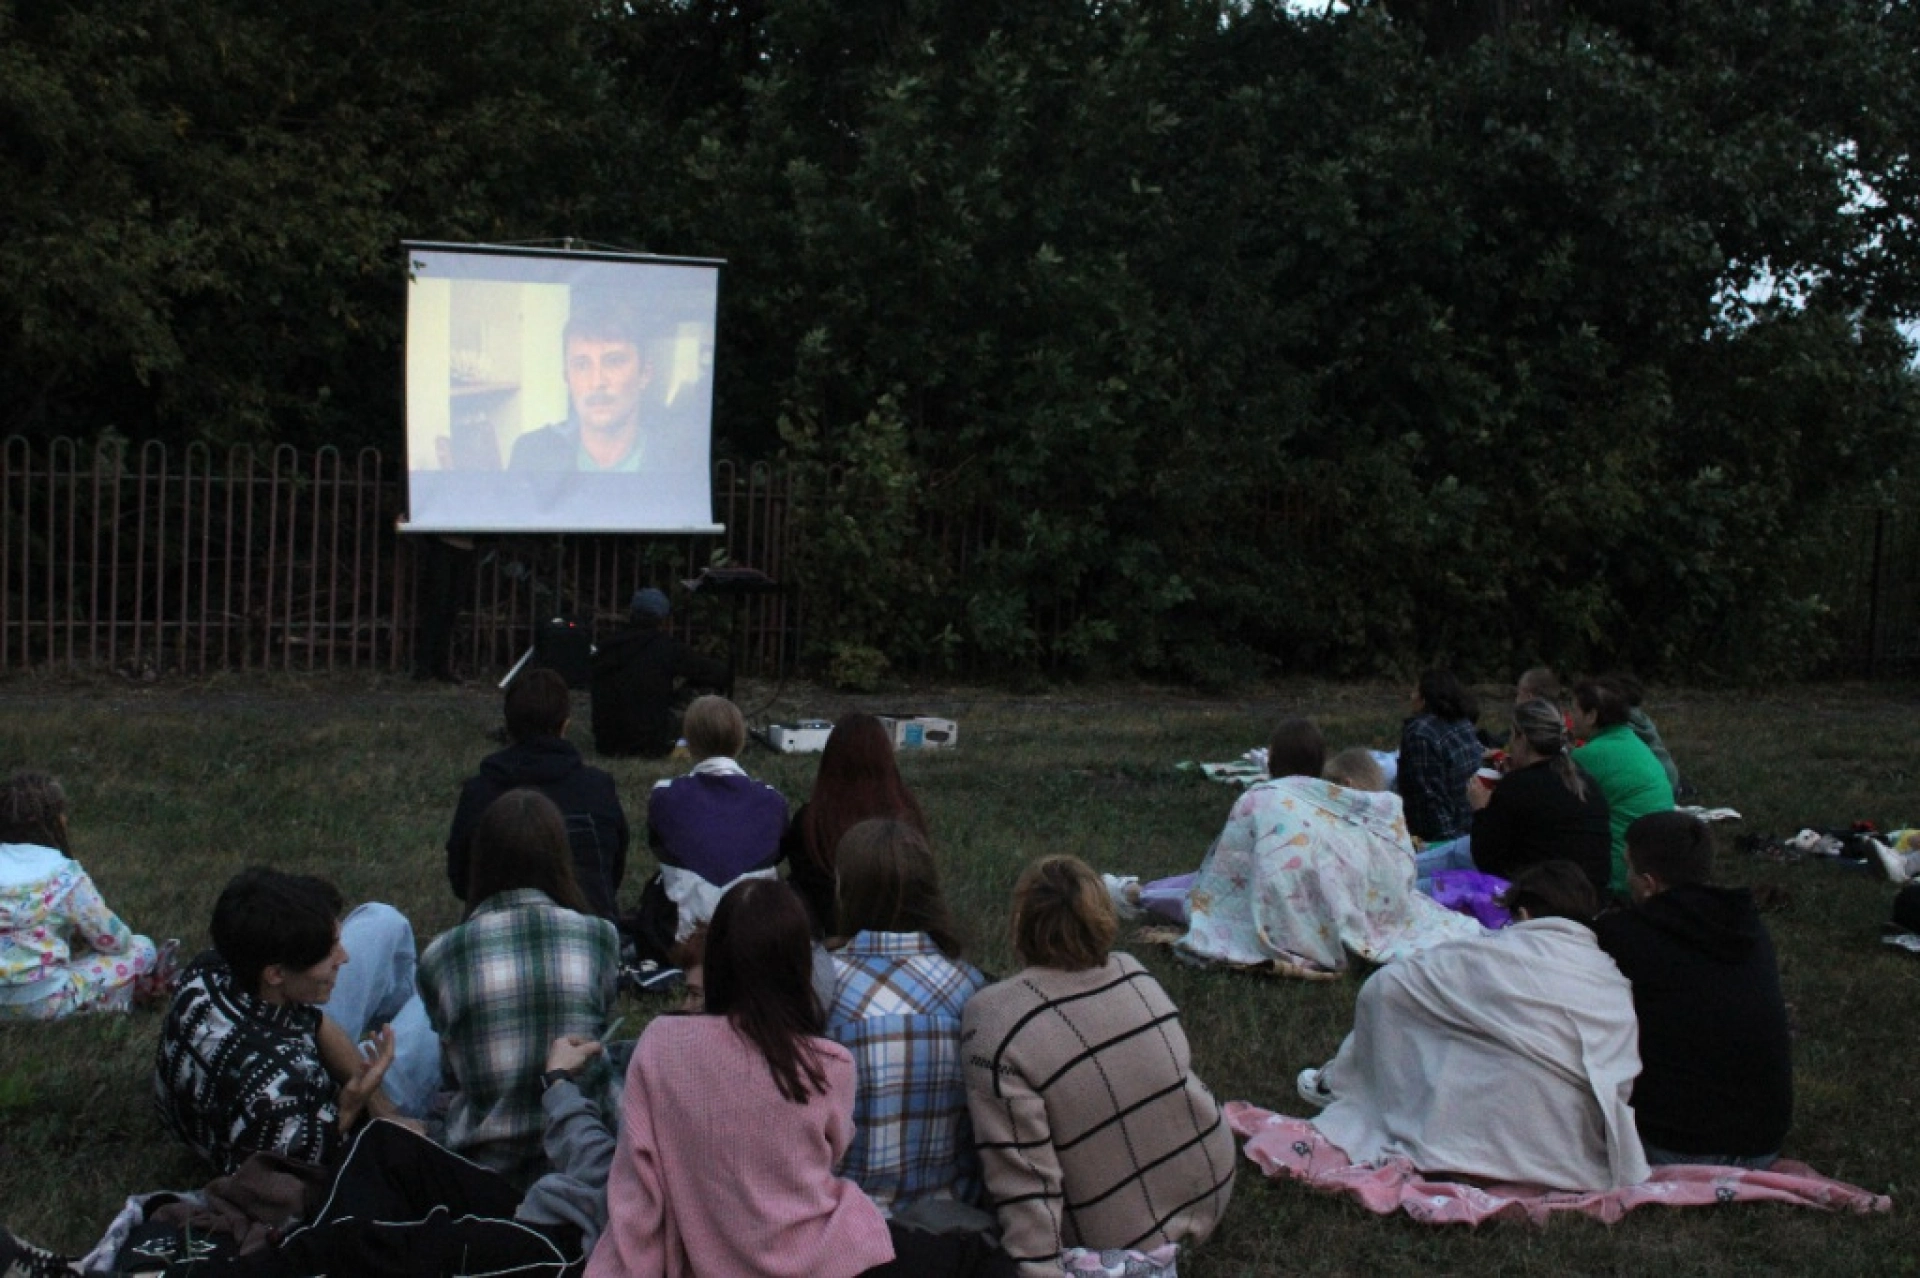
(538, 709)
(643, 680)
(1716, 1079)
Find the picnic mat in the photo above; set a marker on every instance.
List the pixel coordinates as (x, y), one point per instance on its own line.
(1293, 1149)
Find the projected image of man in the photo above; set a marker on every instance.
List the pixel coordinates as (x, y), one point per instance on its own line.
(608, 368)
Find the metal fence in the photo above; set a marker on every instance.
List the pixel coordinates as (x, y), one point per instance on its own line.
(149, 559)
(145, 559)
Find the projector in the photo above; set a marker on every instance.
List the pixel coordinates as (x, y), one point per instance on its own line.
(809, 736)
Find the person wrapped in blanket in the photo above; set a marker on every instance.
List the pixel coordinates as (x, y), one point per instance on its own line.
(61, 949)
(1306, 871)
(1508, 1057)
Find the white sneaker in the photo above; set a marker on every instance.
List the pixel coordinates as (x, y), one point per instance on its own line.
(1313, 1089)
(1125, 891)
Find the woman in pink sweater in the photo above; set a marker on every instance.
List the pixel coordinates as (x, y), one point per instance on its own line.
(733, 1122)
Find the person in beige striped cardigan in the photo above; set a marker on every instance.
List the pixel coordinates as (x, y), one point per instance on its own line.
(1093, 1130)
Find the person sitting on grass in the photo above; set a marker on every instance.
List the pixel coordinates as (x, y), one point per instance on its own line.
(1546, 807)
(259, 1054)
(859, 779)
(734, 1120)
(1438, 753)
(1507, 1057)
(1635, 694)
(708, 829)
(397, 1205)
(1306, 871)
(1537, 683)
(61, 949)
(1355, 768)
(1717, 1080)
(529, 964)
(538, 710)
(900, 985)
(1093, 1130)
(643, 679)
(1626, 771)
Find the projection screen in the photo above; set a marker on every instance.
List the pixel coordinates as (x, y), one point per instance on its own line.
(552, 391)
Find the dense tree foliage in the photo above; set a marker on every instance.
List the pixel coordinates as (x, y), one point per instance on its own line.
(1223, 334)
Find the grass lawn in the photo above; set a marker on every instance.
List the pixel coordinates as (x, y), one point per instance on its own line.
(174, 788)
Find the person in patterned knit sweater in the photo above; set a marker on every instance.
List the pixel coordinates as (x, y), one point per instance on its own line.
(258, 1052)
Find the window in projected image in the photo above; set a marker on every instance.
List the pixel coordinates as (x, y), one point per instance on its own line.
(554, 391)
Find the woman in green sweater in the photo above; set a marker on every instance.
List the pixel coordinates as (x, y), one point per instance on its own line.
(1620, 764)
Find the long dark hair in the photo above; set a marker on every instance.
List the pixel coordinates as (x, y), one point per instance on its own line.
(1445, 697)
(859, 779)
(521, 842)
(759, 975)
(889, 882)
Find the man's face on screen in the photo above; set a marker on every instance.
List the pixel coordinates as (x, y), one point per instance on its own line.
(605, 380)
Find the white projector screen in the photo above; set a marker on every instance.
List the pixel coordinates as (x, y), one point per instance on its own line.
(552, 391)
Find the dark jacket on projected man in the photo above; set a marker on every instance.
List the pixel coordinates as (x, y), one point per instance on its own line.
(641, 681)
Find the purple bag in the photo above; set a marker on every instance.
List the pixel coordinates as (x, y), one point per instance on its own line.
(1473, 893)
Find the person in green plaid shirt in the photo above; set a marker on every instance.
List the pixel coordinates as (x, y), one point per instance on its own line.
(899, 987)
(529, 964)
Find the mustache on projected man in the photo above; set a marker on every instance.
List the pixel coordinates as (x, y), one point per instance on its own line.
(608, 366)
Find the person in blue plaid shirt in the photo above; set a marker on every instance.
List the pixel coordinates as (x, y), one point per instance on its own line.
(529, 965)
(899, 988)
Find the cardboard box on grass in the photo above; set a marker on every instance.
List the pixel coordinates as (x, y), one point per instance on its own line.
(920, 731)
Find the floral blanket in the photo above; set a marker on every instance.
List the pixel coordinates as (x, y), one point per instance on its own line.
(1306, 871)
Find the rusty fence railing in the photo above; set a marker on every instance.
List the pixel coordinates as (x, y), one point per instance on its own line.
(146, 559)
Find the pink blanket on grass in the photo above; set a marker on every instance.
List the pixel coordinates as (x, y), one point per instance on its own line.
(1293, 1149)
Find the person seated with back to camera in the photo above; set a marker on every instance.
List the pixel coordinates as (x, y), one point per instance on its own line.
(708, 829)
(1508, 1056)
(529, 964)
(900, 986)
(1354, 768)
(1306, 871)
(859, 779)
(1545, 808)
(61, 949)
(643, 678)
(1439, 753)
(1716, 1084)
(258, 1051)
(1093, 1130)
(538, 710)
(734, 1119)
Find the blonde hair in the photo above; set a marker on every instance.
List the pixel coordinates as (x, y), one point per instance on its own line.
(1062, 915)
(1356, 769)
(714, 728)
